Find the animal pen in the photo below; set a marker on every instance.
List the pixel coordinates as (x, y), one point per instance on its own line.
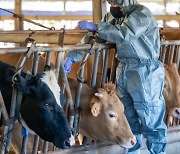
(99, 58)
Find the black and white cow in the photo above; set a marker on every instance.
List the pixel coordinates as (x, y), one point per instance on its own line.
(41, 108)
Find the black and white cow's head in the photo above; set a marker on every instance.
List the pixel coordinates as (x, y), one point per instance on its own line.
(41, 109)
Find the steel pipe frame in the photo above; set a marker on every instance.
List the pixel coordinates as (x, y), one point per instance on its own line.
(80, 77)
(34, 72)
(164, 43)
(14, 95)
(5, 129)
(171, 44)
(67, 31)
(164, 47)
(55, 48)
(171, 130)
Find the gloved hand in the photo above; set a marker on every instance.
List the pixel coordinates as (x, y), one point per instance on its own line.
(67, 64)
(87, 25)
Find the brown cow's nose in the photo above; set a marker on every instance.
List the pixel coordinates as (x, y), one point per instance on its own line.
(132, 143)
(132, 140)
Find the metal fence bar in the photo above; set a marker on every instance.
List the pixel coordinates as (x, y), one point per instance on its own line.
(171, 54)
(178, 58)
(95, 68)
(48, 58)
(174, 46)
(59, 64)
(34, 72)
(50, 32)
(163, 53)
(105, 67)
(80, 77)
(47, 48)
(35, 145)
(5, 128)
(48, 62)
(168, 49)
(113, 71)
(45, 147)
(78, 47)
(58, 61)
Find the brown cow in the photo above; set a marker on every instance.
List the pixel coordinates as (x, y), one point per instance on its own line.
(171, 90)
(102, 115)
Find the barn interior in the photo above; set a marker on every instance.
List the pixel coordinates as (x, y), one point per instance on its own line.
(32, 31)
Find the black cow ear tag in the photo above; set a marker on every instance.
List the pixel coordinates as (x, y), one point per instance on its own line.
(47, 68)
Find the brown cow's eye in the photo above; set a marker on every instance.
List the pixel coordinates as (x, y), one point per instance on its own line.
(112, 115)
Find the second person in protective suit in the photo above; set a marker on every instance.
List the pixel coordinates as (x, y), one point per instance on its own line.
(139, 75)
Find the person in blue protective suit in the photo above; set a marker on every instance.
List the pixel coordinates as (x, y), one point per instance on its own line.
(139, 75)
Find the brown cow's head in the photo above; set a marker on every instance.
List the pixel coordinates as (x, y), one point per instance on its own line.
(171, 90)
(110, 123)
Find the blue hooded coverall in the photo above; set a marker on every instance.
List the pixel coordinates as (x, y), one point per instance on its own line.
(140, 75)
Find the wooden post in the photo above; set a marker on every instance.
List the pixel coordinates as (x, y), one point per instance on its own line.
(18, 23)
(18, 10)
(97, 11)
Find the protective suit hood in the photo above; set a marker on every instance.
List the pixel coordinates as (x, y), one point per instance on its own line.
(123, 3)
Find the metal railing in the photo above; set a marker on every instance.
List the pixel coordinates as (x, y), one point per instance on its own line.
(169, 53)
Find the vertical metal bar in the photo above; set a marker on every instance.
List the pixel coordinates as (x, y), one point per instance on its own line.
(58, 61)
(178, 58)
(105, 68)
(171, 54)
(34, 72)
(48, 58)
(164, 49)
(24, 145)
(5, 128)
(48, 62)
(79, 92)
(35, 145)
(45, 146)
(0, 109)
(95, 67)
(113, 70)
(35, 63)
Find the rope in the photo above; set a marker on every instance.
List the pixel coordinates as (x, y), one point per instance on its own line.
(15, 15)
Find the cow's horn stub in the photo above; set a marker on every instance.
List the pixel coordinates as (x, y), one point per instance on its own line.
(99, 95)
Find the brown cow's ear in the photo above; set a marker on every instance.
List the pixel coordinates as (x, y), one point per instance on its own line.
(96, 109)
(95, 106)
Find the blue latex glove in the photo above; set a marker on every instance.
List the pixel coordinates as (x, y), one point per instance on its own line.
(87, 25)
(24, 132)
(67, 64)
